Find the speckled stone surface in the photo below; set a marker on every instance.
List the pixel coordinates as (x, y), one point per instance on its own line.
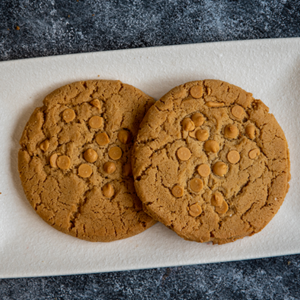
(63, 26)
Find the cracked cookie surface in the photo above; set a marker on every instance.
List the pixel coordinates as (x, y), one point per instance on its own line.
(74, 163)
(210, 162)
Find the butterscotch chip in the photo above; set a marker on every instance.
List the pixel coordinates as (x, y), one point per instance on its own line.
(53, 159)
(96, 122)
(109, 167)
(233, 156)
(231, 132)
(249, 188)
(124, 136)
(217, 199)
(195, 210)
(196, 91)
(214, 104)
(63, 162)
(254, 153)
(203, 170)
(85, 171)
(115, 153)
(220, 168)
(64, 183)
(238, 112)
(127, 170)
(102, 139)
(177, 191)
(45, 145)
(202, 135)
(250, 130)
(196, 185)
(211, 146)
(188, 124)
(193, 133)
(108, 190)
(222, 209)
(198, 119)
(96, 103)
(90, 155)
(68, 115)
(183, 153)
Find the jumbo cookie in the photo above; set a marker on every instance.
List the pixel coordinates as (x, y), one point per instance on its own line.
(74, 163)
(210, 162)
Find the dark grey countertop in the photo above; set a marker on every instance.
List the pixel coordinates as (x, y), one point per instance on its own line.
(44, 28)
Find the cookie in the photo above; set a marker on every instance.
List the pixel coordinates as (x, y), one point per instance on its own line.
(210, 162)
(74, 163)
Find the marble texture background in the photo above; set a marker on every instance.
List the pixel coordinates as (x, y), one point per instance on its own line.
(52, 27)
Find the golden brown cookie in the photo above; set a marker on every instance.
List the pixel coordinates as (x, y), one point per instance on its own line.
(224, 181)
(74, 152)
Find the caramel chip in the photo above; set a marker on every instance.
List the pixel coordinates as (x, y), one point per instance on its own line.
(250, 130)
(188, 124)
(203, 170)
(233, 156)
(238, 111)
(115, 153)
(45, 145)
(198, 119)
(68, 115)
(217, 199)
(124, 136)
(85, 170)
(96, 122)
(220, 168)
(254, 153)
(53, 159)
(202, 135)
(127, 171)
(183, 153)
(102, 139)
(90, 155)
(108, 190)
(63, 162)
(231, 132)
(211, 146)
(196, 185)
(96, 103)
(195, 210)
(193, 133)
(109, 167)
(196, 91)
(214, 104)
(222, 209)
(177, 191)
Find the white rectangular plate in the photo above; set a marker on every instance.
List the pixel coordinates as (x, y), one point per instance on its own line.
(270, 69)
